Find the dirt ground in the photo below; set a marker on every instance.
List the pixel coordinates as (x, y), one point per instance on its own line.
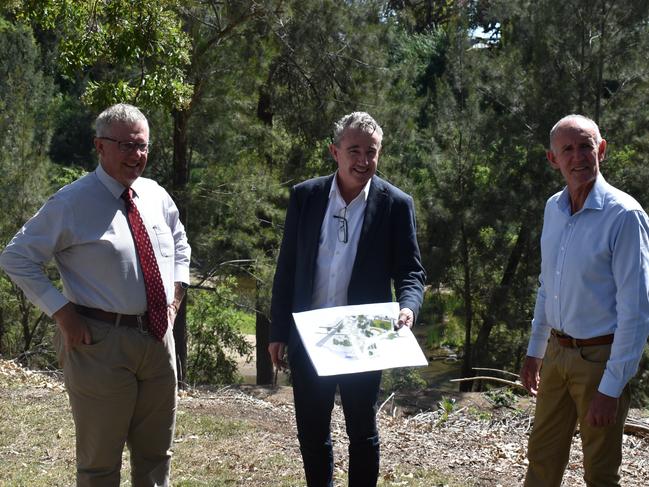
(473, 439)
(479, 442)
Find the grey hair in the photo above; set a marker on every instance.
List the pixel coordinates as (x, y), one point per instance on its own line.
(119, 113)
(575, 116)
(356, 120)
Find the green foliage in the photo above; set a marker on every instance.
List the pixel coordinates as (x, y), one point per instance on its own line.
(259, 84)
(640, 383)
(132, 51)
(64, 175)
(441, 314)
(214, 341)
(501, 397)
(245, 322)
(446, 406)
(404, 378)
(72, 140)
(27, 100)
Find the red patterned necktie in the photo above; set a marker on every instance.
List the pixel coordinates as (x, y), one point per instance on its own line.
(156, 297)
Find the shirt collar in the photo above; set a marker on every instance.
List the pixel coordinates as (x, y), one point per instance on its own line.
(597, 195)
(115, 187)
(335, 191)
(594, 200)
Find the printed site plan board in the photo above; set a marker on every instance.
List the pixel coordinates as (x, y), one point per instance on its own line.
(349, 339)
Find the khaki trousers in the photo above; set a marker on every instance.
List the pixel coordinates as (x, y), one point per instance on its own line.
(122, 390)
(569, 378)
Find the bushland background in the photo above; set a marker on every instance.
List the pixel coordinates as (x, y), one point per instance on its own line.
(241, 96)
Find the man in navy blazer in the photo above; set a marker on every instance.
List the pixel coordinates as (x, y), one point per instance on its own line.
(347, 238)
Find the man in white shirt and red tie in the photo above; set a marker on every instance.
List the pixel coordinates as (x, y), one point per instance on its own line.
(591, 318)
(123, 257)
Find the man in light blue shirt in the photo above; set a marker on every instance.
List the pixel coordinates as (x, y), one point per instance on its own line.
(591, 318)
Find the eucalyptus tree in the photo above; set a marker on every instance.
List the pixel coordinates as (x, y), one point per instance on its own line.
(27, 100)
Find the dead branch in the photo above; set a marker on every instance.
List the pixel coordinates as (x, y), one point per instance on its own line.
(495, 379)
(497, 370)
(637, 428)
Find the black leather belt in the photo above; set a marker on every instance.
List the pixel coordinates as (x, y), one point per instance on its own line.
(131, 321)
(570, 342)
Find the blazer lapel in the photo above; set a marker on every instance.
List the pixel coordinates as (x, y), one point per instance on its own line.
(318, 201)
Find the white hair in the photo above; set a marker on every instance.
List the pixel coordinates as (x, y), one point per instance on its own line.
(119, 113)
(356, 120)
(575, 116)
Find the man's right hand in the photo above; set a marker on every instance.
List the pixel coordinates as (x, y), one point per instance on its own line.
(530, 374)
(276, 351)
(73, 326)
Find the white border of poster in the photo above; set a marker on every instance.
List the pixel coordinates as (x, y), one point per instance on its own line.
(359, 338)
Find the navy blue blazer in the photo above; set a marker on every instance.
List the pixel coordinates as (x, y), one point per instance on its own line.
(387, 252)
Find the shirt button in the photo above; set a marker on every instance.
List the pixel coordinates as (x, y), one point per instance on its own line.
(556, 297)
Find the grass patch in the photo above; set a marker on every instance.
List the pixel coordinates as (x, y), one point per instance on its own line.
(36, 439)
(216, 444)
(189, 424)
(246, 322)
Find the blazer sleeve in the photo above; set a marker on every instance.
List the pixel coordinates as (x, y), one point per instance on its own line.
(407, 271)
(281, 305)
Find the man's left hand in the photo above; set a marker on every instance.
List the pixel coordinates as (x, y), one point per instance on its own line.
(602, 410)
(172, 312)
(406, 317)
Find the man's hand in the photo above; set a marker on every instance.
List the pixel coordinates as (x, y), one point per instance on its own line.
(530, 374)
(602, 410)
(406, 317)
(172, 312)
(73, 326)
(172, 309)
(276, 351)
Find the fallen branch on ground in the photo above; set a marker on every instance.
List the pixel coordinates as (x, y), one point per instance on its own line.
(495, 379)
(497, 370)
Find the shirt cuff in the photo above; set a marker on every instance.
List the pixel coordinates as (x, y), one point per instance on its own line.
(181, 273)
(51, 301)
(536, 348)
(610, 386)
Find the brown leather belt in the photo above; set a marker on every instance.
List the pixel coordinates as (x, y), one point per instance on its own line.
(131, 321)
(570, 342)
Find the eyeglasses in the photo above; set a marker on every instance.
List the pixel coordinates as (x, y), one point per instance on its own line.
(343, 235)
(127, 147)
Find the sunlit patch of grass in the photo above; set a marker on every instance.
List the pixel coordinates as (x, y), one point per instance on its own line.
(210, 449)
(36, 438)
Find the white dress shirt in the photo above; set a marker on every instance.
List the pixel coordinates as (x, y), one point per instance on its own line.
(336, 258)
(85, 229)
(595, 278)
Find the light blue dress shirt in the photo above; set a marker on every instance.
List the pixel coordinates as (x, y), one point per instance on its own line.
(84, 228)
(595, 278)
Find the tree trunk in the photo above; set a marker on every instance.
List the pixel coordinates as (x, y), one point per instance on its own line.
(580, 77)
(262, 322)
(467, 370)
(179, 192)
(499, 297)
(600, 65)
(262, 333)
